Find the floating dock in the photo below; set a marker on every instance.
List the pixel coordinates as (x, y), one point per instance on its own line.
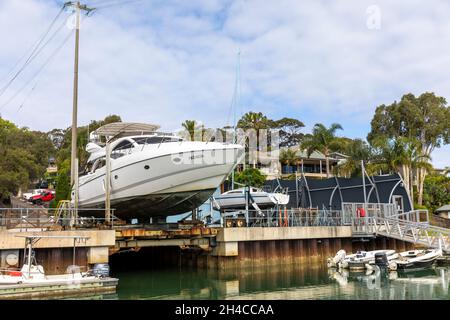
(59, 289)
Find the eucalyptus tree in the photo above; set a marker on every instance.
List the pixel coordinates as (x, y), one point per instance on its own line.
(425, 118)
(290, 131)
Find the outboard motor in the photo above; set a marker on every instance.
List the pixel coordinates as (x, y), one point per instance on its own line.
(381, 260)
(338, 258)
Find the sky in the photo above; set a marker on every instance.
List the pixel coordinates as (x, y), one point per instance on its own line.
(165, 61)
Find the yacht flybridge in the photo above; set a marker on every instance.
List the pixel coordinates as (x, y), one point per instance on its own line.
(152, 174)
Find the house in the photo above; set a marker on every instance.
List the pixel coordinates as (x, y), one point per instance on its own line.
(52, 167)
(444, 211)
(313, 166)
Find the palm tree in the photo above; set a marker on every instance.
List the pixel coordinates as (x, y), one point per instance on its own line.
(403, 155)
(288, 156)
(190, 126)
(321, 139)
(356, 150)
(253, 121)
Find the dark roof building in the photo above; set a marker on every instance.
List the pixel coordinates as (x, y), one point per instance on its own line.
(307, 192)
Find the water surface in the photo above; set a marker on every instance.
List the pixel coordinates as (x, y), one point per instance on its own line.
(283, 282)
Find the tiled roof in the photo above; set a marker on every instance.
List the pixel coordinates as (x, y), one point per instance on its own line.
(444, 208)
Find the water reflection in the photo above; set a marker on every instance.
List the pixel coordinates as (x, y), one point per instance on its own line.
(282, 282)
(384, 285)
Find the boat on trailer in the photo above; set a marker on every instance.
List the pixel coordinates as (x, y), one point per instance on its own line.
(152, 174)
(237, 199)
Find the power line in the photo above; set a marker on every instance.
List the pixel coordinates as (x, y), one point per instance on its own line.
(39, 70)
(32, 55)
(115, 3)
(28, 95)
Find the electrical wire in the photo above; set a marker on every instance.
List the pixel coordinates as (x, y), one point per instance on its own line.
(114, 3)
(39, 70)
(28, 96)
(32, 55)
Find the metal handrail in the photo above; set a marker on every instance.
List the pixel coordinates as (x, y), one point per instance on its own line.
(285, 218)
(415, 232)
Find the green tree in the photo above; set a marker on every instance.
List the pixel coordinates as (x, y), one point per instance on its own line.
(288, 156)
(290, 134)
(63, 188)
(252, 124)
(254, 120)
(63, 144)
(425, 118)
(436, 191)
(250, 176)
(356, 151)
(190, 126)
(321, 139)
(24, 157)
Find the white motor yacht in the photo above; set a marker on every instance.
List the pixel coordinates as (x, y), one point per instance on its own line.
(152, 174)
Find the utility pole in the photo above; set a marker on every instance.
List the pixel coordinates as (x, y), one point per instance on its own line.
(108, 184)
(78, 7)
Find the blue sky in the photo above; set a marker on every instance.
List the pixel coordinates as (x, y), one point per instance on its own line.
(167, 61)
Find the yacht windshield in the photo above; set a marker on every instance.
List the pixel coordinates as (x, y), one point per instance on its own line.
(154, 140)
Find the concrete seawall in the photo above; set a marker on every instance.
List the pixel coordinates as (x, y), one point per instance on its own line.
(228, 249)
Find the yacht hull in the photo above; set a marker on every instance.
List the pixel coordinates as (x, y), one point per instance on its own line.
(154, 205)
(228, 202)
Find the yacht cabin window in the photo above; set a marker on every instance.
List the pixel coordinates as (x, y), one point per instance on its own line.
(155, 140)
(121, 149)
(99, 163)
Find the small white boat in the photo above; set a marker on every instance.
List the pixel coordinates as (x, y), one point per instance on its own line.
(359, 261)
(236, 199)
(417, 259)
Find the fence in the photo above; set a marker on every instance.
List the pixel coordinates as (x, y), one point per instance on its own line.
(382, 210)
(24, 219)
(282, 218)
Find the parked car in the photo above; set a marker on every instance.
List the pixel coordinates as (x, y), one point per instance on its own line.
(27, 195)
(43, 197)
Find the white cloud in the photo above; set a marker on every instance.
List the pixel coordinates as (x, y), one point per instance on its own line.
(167, 61)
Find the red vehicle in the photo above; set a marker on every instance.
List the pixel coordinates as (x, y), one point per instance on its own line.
(43, 197)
